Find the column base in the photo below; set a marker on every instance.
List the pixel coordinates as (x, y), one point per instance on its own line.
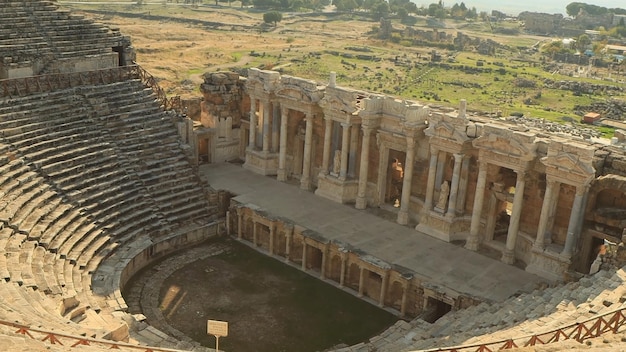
(472, 243)
(281, 175)
(305, 184)
(403, 217)
(508, 257)
(361, 203)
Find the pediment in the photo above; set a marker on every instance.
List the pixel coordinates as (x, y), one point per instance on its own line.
(447, 131)
(332, 103)
(506, 146)
(568, 163)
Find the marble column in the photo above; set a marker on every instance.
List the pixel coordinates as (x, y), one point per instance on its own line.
(276, 118)
(328, 132)
(460, 203)
(345, 148)
(342, 274)
(252, 136)
(304, 249)
(508, 257)
(305, 181)
(383, 289)
(361, 198)
(362, 282)
(479, 197)
(430, 183)
(272, 230)
(405, 199)
(267, 129)
(405, 296)
(323, 268)
(441, 164)
(354, 145)
(572, 229)
(454, 187)
(254, 233)
(288, 237)
(239, 223)
(281, 173)
(547, 205)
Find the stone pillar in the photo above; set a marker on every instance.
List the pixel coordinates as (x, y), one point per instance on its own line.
(430, 186)
(272, 227)
(228, 219)
(548, 203)
(252, 136)
(288, 236)
(276, 118)
(405, 199)
(572, 228)
(441, 163)
(454, 187)
(361, 198)
(305, 181)
(267, 129)
(383, 289)
(508, 256)
(479, 196)
(304, 255)
(362, 282)
(405, 296)
(354, 145)
(254, 233)
(332, 81)
(323, 268)
(328, 132)
(345, 147)
(460, 203)
(281, 173)
(239, 223)
(342, 274)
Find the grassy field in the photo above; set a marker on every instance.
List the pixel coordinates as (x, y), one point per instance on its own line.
(179, 43)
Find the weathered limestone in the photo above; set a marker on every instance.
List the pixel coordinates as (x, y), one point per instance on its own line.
(459, 176)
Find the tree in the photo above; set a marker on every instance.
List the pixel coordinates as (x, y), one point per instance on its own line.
(272, 16)
(381, 10)
(583, 42)
(345, 5)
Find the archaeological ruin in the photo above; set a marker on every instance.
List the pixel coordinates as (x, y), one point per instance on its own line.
(102, 175)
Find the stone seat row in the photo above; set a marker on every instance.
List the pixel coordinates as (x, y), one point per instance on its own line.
(528, 314)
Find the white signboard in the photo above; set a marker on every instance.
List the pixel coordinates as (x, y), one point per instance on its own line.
(217, 328)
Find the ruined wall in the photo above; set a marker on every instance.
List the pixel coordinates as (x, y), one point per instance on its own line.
(223, 94)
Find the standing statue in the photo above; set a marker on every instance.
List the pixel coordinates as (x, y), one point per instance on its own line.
(337, 162)
(443, 196)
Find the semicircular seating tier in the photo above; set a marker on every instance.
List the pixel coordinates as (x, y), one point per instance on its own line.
(87, 173)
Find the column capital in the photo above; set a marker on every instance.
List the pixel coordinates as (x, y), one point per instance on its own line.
(434, 150)
(520, 172)
(482, 164)
(367, 129)
(346, 125)
(458, 157)
(581, 189)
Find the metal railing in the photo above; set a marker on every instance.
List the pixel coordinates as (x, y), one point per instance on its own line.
(17, 87)
(70, 341)
(579, 331)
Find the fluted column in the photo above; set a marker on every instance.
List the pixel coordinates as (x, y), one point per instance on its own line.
(361, 200)
(328, 132)
(405, 199)
(454, 187)
(305, 181)
(508, 256)
(252, 136)
(479, 196)
(548, 203)
(281, 173)
(572, 228)
(441, 163)
(345, 148)
(267, 130)
(430, 186)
